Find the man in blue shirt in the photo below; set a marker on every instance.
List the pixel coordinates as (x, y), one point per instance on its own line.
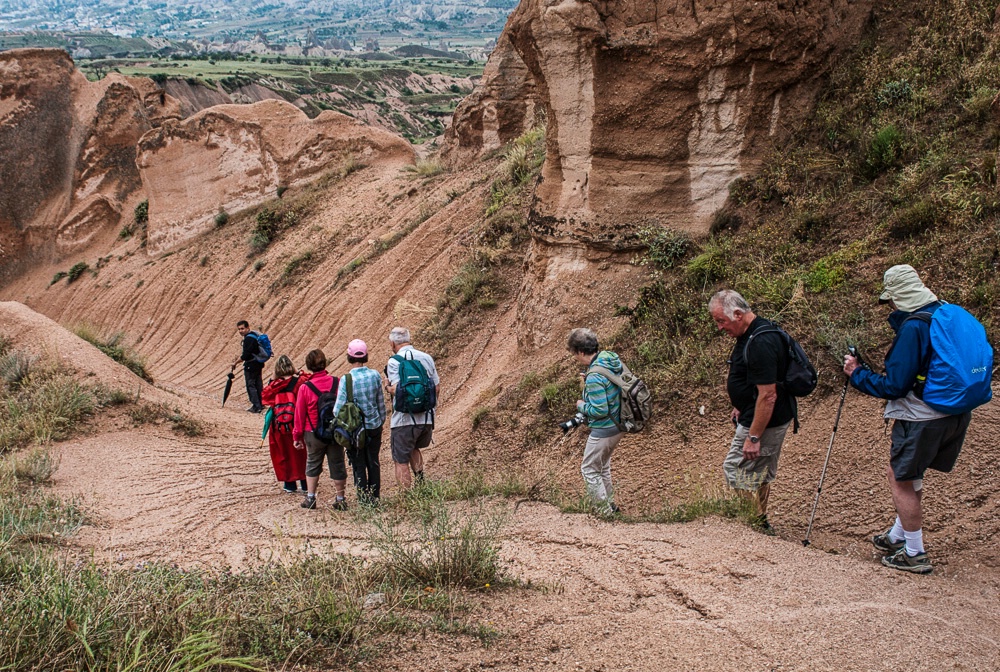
(922, 438)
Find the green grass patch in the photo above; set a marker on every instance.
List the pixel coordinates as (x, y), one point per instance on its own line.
(115, 346)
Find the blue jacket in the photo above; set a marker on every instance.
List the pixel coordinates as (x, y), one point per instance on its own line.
(907, 357)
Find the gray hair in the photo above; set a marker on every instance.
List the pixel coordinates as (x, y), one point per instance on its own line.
(399, 335)
(583, 340)
(729, 301)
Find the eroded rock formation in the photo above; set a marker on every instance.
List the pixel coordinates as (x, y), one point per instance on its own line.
(229, 157)
(502, 107)
(654, 107)
(68, 148)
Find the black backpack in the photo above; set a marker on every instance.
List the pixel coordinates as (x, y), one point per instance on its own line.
(800, 375)
(326, 424)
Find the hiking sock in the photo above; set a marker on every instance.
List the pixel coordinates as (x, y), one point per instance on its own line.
(914, 542)
(896, 532)
(311, 495)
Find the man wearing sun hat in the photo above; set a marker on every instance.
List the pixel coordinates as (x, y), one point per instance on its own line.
(367, 391)
(922, 437)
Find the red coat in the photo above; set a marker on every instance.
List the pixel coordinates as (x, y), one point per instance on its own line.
(289, 463)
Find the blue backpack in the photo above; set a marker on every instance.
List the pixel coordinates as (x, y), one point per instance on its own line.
(264, 351)
(957, 377)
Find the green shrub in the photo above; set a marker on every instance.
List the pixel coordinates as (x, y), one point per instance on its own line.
(479, 415)
(42, 407)
(664, 247)
(221, 219)
(76, 270)
(885, 151)
(57, 277)
(441, 549)
(141, 214)
(16, 367)
(894, 93)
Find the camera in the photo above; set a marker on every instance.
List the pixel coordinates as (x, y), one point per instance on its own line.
(575, 421)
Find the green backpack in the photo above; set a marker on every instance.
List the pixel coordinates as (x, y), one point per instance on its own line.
(349, 426)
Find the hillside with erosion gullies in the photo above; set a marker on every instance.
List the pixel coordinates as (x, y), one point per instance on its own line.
(616, 165)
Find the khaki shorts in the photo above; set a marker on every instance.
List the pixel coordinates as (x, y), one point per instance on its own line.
(743, 474)
(316, 450)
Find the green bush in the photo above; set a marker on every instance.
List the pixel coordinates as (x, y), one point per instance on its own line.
(664, 247)
(885, 151)
(76, 270)
(221, 218)
(42, 407)
(141, 214)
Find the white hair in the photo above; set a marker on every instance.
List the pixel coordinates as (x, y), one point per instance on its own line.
(729, 301)
(399, 335)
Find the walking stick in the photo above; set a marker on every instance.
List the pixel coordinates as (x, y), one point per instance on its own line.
(826, 462)
(829, 449)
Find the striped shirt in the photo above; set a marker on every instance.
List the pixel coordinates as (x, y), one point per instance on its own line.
(368, 395)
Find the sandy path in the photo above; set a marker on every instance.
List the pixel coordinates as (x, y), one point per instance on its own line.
(709, 595)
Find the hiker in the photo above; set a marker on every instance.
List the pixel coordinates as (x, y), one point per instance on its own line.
(289, 464)
(922, 437)
(412, 423)
(601, 406)
(313, 394)
(366, 387)
(253, 366)
(762, 409)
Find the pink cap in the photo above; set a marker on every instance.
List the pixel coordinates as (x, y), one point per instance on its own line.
(357, 348)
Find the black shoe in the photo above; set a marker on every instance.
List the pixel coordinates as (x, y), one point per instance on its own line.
(308, 503)
(340, 504)
(883, 543)
(615, 508)
(290, 491)
(761, 524)
(917, 564)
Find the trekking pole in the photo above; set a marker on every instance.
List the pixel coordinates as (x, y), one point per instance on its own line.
(829, 448)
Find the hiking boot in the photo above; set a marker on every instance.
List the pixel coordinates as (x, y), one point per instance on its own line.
(883, 543)
(308, 503)
(761, 524)
(917, 564)
(340, 504)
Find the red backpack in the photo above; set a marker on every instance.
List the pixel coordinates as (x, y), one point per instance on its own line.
(284, 407)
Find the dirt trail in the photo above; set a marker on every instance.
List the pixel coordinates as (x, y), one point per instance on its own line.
(708, 595)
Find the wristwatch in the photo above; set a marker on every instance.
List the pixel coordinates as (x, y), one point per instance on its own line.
(754, 439)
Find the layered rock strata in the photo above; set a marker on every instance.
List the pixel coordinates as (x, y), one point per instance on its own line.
(69, 149)
(229, 157)
(654, 107)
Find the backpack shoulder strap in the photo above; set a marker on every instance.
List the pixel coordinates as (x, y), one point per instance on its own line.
(349, 387)
(614, 378)
(312, 387)
(923, 316)
(292, 382)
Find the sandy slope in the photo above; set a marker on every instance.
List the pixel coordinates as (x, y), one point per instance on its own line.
(708, 595)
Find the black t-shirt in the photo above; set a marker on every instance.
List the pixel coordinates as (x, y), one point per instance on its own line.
(767, 365)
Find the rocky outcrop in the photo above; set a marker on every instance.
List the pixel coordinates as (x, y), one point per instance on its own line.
(502, 107)
(68, 148)
(654, 107)
(230, 157)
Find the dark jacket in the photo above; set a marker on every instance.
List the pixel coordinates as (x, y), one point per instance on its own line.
(250, 349)
(908, 356)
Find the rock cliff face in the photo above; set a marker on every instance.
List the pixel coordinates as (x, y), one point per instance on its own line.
(68, 148)
(502, 107)
(229, 157)
(655, 106)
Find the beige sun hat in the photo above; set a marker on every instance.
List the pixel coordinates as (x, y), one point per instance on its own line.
(903, 286)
